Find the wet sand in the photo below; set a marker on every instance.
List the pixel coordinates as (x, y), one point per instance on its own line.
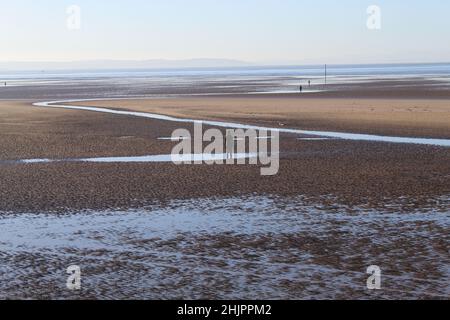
(339, 206)
(358, 173)
(373, 87)
(234, 248)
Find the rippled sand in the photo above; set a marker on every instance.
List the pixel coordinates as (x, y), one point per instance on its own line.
(229, 248)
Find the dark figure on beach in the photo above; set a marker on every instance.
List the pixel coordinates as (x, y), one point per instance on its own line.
(309, 83)
(230, 144)
(301, 88)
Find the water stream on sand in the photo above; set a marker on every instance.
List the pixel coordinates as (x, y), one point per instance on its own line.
(326, 134)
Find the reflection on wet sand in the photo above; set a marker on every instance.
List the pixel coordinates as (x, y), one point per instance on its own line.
(253, 247)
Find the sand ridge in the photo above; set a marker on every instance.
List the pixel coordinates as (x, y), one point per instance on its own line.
(414, 118)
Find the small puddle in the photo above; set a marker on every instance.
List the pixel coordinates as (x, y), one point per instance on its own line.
(175, 139)
(161, 158)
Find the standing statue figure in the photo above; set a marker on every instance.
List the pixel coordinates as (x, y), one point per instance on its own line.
(230, 144)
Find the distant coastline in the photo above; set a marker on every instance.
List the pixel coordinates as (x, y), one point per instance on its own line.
(190, 64)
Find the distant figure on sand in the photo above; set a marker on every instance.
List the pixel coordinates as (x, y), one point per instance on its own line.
(309, 83)
(230, 144)
(301, 88)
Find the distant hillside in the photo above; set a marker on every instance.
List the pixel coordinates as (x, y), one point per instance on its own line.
(123, 64)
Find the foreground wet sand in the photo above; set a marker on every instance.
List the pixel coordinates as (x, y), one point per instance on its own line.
(251, 247)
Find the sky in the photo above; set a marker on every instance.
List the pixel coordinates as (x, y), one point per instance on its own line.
(257, 31)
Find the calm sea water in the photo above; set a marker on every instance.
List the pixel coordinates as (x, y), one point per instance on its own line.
(260, 71)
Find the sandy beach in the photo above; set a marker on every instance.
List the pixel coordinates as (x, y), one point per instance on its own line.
(363, 202)
(225, 159)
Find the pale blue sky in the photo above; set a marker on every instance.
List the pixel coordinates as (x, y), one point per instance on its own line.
(314, 31)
